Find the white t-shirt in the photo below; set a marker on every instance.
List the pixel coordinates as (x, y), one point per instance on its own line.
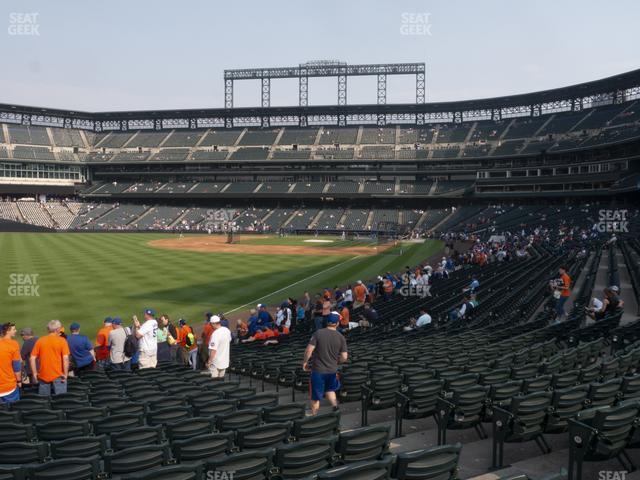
(220, 342)
(148, 342)
(348, 295)
(423, 320)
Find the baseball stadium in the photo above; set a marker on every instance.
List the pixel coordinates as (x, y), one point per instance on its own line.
(382, 290)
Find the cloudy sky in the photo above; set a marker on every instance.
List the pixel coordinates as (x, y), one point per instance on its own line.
(154, 54)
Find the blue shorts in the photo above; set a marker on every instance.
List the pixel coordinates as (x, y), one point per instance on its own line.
(320, 383)
(12, 397)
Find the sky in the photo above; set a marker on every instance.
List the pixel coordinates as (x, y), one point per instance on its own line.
(116, 55)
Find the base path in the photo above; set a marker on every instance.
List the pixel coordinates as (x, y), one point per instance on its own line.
(217, 244)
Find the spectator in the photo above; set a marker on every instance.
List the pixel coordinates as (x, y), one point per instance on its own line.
(473, 286)
(10, 365)
(562, 292)
(188, 343)
(219, 347)
(360, 293)
(424, 319)
(610, 304)
(117, 339)
(147, 336)
(286, 316)
(464, 309)
(28, 341)
(348, 296)
(318, 321)
(207, 330)
(102, 343)
(306, 305)
(172, 340)
(82, 354)
(264, 317)
(345, 317)
(53, 352)
(162, 338)
(301, 315)
(252, 327)
(326, 309)
(325, 350)
(369, 316)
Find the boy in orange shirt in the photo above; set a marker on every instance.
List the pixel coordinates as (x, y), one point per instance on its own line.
(53, 352)
(10, 365)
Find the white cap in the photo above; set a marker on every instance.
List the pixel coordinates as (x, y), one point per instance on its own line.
(215, 319)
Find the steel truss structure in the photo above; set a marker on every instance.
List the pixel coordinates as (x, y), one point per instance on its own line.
(613, 90)
(325, 69)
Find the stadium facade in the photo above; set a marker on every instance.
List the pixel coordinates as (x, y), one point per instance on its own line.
(572, 144)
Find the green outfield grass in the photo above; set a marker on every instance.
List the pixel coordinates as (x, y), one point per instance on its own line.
(84, 277)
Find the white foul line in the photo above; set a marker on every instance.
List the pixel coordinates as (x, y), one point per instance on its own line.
(252, 302)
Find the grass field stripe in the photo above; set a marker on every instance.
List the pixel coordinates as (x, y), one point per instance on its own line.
(292, 285)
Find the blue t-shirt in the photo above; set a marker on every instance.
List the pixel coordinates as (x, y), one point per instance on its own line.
(265, 319)
(253, 325)
(80, 348)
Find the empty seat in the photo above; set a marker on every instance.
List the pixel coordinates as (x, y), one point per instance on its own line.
(135, 437)
(368, 443)
(418, 401)
(318, 426)
(437, 462)
(604, 393)
(215, 407)
(372, 470)
(303, 459)
(203, 447)
(62, 429)
(238, 419)
(186, 471)
(283, 413)
(464, 409)
(135, 459)
(521, 421)
(565, 403)
(31, 404)
(261, 400)
(79, 447)
(600, 434)
(190, 427)
(14, 453)
(41, 415)
(263, 436)
(85, 413)
(9, 417)
(16, 432)
(168, 415)
(116, 423)
(255, 465)
(379, 394)
(66, 469)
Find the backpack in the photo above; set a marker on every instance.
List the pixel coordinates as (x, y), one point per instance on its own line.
(190, 338)
(130, 346)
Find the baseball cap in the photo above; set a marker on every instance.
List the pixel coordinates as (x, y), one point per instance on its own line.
(215, 319)
(117, 321)
(149, 311)
(108, 320)
(614, 288)
(74, 326)
(333, 318)
(182, 321)
(26, 331)
(262, 305)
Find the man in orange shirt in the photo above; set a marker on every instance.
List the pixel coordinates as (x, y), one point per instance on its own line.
(53, 352)
(10, 365)
(563, 286)
(102, 343)
(359, 294)
(345, 317)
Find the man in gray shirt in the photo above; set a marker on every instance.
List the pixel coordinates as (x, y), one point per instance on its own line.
(326, 349)
(117, 339)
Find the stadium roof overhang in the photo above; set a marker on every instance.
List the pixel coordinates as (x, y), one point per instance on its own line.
(611, 90)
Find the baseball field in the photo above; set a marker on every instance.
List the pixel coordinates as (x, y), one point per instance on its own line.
(84, 277)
